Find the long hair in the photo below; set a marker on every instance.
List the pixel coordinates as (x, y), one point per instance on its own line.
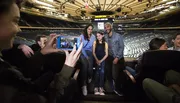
(103, 39)
(85, 34)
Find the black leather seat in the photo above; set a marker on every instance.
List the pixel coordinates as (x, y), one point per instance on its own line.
(156, 63)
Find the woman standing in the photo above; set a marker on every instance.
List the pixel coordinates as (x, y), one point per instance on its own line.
(100, 52)
(87, 57)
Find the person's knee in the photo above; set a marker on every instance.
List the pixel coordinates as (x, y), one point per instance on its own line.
(147, 83)
(84, 64)
(172, 77)
(170, 73)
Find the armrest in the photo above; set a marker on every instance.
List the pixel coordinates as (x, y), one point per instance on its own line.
(130, 76)
(76, 74)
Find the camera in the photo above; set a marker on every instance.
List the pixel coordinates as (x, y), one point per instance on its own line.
(67, 42)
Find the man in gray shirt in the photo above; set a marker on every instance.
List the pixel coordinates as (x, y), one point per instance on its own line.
(115, 60)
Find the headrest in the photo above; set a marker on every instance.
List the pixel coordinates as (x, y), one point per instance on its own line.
(161, 58)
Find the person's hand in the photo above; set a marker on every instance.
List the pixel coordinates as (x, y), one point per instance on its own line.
(115, 61)
(49, 47)
(73, 57)
(98, 62)
(28, 52)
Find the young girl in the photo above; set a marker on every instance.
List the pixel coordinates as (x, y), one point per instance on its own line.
(100, 53)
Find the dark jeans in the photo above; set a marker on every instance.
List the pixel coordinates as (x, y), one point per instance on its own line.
(87, 67)
(113, 72)
(99, 76)
(132, 71)
(160, 93)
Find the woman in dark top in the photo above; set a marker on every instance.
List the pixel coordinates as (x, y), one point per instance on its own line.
(14, 87)
(100, 52)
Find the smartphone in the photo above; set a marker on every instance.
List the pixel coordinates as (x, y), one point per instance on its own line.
(67, 42)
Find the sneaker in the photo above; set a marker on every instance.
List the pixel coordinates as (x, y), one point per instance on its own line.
(118, 93)
(96, 92)
(115, 91)
(101, 91)
(89, 80)
(84, 90)
(111, 84)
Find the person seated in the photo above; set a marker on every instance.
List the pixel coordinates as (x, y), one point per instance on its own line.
(21, 52)
(21, 56)
(17, 55)
(14, 87)
(176, 42)
(40, 43)
(86, 58)
(154, 44)
(167, 93)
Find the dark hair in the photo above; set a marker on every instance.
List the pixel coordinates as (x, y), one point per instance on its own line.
(38, 37)
(156, 43)
(85, 31)
(5, 5)
(174, 37)
(103, 39)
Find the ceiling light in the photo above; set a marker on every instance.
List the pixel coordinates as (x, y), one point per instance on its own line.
(172, 7)
(48, 8)
(66, 15)
(43, 3)
(165, 0)
(172, 2)
(166, 10)
(162, 12)
(49, 0)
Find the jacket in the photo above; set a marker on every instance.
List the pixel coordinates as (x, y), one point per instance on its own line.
(15, 88)
(117, 45)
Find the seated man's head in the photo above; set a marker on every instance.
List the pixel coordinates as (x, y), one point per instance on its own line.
(176, 40)
(41, 40)
(158, 44)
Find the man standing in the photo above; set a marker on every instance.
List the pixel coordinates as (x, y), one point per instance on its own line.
(176, 41)
(115, 60)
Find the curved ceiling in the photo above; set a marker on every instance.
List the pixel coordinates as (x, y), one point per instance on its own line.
(89, 8)
(121, 6)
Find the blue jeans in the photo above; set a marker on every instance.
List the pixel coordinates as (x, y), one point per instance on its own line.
(99, 75)
(132, 71)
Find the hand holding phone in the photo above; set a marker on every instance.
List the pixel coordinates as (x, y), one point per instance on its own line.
(68, 42)
(49, 45)
(73, 57)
